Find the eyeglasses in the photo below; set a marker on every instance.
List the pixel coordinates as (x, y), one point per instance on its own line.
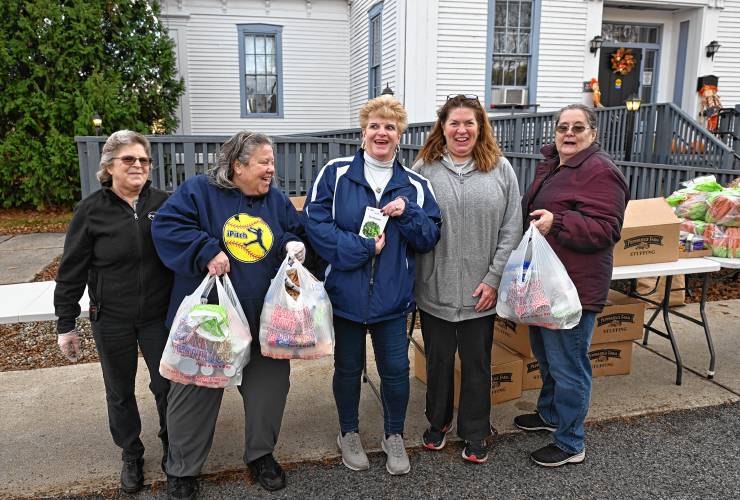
(577, 128)
(466, 96)
(130, 160)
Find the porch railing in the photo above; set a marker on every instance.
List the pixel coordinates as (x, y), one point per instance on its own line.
(658, 133)
(299, 159)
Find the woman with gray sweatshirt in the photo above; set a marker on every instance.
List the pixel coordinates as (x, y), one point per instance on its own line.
(457, 282)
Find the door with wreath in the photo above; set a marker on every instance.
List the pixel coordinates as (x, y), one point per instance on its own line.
(619, 74)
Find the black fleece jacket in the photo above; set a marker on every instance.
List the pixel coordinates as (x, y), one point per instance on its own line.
(109, 247)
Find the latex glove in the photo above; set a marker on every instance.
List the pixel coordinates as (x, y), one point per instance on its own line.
(69, 344)
(219, 265)
(297, 249)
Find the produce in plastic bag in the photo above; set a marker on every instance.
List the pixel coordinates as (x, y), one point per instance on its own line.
(208, 344)
(723, 207)
(706, 183)
(693, 207)
(726, 242)
(535, 288)
(693, 226)
(296, 320)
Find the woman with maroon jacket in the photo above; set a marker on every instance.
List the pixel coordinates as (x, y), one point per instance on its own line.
(577, 200)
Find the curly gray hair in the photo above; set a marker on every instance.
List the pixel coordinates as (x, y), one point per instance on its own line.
(113, 144)
(239, 147)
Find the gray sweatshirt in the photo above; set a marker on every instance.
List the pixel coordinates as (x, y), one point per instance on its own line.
(482, 224)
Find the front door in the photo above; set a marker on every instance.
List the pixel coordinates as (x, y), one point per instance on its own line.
(616, 88)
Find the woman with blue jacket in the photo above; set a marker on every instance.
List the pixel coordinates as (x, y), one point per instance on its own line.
(370, 278)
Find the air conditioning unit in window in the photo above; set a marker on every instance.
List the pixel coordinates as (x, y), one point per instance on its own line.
(515, 96)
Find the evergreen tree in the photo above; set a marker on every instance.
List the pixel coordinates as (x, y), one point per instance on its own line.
(63, 60)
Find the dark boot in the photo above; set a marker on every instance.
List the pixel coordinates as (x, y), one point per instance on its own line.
(182, 488)
(268, 472)
(132, 475)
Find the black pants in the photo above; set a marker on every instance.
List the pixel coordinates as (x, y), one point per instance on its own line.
(473, 340)
(117, 342)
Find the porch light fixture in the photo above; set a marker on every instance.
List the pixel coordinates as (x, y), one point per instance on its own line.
(97, 123)
(712, 48)
(595, 44)
(387, 90)
(633, 103)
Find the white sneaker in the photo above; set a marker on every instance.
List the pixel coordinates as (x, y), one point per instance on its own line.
(353, 455)
(397, 461)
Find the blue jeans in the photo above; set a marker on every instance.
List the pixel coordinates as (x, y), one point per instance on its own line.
(391, 348)
(566, 379)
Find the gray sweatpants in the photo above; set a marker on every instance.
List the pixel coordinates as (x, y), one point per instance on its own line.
(192, 412)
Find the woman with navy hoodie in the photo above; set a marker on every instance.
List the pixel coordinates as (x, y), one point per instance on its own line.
(229, 221)
(370, 278)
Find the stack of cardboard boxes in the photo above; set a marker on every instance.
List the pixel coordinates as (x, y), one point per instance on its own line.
(649, 235)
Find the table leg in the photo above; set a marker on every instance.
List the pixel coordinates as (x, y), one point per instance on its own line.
(665, 307)
(705, 325)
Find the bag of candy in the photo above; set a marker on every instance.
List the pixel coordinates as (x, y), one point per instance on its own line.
(208, 344)
(535, 288)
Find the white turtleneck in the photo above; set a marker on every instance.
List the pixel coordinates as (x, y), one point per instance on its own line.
(378, 174)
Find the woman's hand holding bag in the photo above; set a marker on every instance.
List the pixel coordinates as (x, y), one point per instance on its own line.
(535, 288)
(208, 344)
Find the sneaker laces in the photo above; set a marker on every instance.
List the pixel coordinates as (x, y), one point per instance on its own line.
(352, 440)
(395, 442)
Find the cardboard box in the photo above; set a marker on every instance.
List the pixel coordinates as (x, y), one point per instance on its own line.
(612, 358)
(623, 318)
(506, 376)
(298, 202)
(649, 233)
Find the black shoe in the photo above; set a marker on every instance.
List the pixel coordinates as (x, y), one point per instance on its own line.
(179, 488)
(435, 439)
(132, 475)
(475, 451)
(533, 422)
(268, 472)
(552, 456)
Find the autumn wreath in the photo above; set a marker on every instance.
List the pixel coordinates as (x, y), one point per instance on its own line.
(623, 61)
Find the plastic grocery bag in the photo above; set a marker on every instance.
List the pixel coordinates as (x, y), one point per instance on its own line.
(208, 344)
(535, 288)
(296, 320)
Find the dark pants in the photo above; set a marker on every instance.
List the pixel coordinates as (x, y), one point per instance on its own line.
(117, 342)
(193, 412)
(473, 339)
(391, 347)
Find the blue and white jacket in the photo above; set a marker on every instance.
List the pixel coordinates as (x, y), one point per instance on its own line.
(364, 287)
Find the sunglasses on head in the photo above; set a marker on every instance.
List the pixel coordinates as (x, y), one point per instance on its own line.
(130, 160)
(577, 128)
(471, 97)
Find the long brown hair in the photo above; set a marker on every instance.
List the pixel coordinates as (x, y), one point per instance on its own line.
(486, 151)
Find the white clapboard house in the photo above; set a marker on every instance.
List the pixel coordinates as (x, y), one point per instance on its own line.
(290, 66)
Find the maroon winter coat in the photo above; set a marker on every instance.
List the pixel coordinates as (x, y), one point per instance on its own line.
(587, 196)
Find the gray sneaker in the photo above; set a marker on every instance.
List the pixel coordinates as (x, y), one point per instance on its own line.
(398, 461)
(353, 455)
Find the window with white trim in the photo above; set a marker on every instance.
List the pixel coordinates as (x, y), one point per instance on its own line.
(375, 50)
(260, 64)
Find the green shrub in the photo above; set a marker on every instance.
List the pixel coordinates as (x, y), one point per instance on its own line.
(62, 61)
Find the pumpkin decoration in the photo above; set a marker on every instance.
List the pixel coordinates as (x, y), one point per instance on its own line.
(623, 61)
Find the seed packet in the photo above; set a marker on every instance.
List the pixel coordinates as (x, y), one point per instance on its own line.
(373, 223)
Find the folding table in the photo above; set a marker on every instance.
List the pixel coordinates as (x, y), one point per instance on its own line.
(699, 265)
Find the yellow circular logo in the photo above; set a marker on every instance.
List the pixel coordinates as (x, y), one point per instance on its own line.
(247, 238)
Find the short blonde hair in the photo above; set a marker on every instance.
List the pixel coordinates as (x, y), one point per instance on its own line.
(386, 107)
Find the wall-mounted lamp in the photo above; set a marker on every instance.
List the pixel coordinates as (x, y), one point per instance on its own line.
(387, 90)
(633, 103)
(97, 123)
(712, 48)
(595, 44)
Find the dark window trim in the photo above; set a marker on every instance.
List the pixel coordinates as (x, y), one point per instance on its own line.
(376, 11)
(260, 28)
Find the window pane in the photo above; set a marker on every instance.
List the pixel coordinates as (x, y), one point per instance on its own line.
(251, 82)
(653, 35)
(259, 46)
(509, 69)
(649, 59)
(270, 45)
(525, 19)
(249, 44)
(498, 40)
(524, 42)
(497, 75)
(272, 104)
(500, 15)
(513, 19)
(511, 39)
(260, 65)
(271, 68)
(521, 73)
(261, 85)
(272, 85)
(249, 64)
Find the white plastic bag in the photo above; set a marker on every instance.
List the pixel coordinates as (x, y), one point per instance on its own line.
(298, 326)
(535, 288)
(208, 344)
